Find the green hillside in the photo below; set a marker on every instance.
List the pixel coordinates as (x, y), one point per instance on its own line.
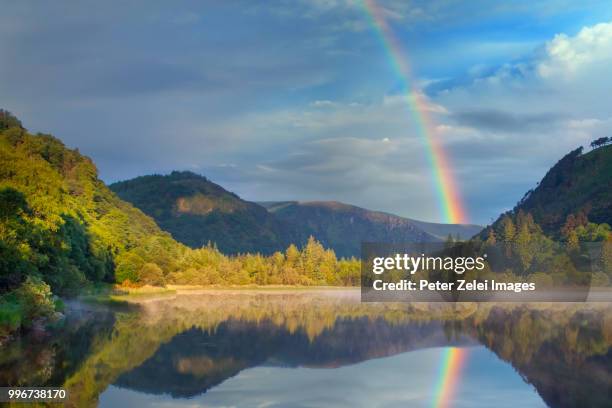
(577, 183)
(563, 225)
(61, 222)
(575, 195)
(197, 211)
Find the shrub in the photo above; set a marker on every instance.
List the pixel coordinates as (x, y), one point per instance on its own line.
(35, 299)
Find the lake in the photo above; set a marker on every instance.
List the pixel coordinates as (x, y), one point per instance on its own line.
(319, 348)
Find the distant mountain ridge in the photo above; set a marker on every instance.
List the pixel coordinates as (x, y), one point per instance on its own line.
(197, 211)
(441, 231)
(344, 226)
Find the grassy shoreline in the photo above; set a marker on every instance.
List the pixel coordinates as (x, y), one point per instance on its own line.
(116, 294)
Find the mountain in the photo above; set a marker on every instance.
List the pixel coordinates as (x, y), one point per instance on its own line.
(440, 231)
(197, 211)
(343, 226)
(60, 223)
(580, 184)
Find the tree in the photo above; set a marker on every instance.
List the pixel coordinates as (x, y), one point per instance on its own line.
(8, 120)
(491, 239)
(16, 237)
(507, 234)
(293, 256)
(129, 265)
(508, 229)
(152, 274)
(569, 226)
(524, 247)
(449, 242)
(573, 242)
(312, 257)
(602, 141)
(592, 232)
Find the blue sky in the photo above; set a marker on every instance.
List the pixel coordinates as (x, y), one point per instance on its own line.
(296, 99)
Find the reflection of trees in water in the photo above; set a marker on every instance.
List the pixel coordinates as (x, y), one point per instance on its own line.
(199, 341)
(565, 354)
(39, 359)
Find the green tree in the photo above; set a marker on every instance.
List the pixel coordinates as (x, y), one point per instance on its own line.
(293, 256)
(508, 231)
(312, 260)
(129, 265)
(152, 274)
(8, 120)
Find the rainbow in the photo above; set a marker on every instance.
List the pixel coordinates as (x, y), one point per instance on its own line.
(452, 361)
(451, 207)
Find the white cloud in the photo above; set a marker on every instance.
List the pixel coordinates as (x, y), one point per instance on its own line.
(566, 56)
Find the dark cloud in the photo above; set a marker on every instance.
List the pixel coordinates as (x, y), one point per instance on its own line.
(497, 120)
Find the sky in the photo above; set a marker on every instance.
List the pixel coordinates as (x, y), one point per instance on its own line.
(298, 100)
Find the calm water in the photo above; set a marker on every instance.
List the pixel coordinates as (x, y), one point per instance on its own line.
(312, 349)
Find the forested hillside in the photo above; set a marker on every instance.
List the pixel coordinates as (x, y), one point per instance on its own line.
(61, 222)
(578, 183)
(197, 211)
(550, 229)
(574, 198)
(344, 227)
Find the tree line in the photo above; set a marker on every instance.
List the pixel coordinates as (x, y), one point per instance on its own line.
(310, 265)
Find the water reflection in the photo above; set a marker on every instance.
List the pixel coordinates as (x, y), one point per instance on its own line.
(402, 380)
(321, 349)
(195, 360)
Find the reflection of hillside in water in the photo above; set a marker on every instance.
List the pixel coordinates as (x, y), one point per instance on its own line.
(196, 360)
(565, 354)
(186, 345)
